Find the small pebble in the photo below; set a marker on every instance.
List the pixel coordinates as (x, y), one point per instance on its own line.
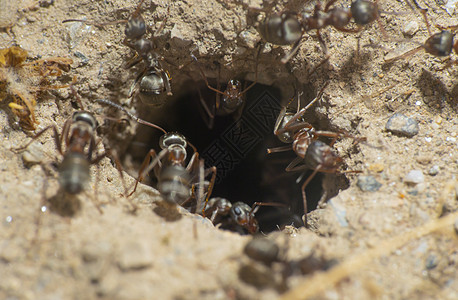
(410, 28)
(368, 184)
(84, 59)
(34, 154)
(402, 125)
(377, 167)
(135, 255)
(434, 170)
(414, 177)
(249, 38)
(178, 38)
(431, 262)
(46, 3)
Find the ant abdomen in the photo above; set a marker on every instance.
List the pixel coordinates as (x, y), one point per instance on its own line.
(152, 89)
(74, 172)
(175, 184)
(364, 12)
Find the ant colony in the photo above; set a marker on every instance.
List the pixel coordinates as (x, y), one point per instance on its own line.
(216, 134)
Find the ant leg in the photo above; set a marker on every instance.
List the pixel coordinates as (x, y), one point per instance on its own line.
(75, 93)
(166, 79)
(99, 25)
(300, 113)
(132, 116)
(423, 11)
(205, 77)
(295, 127)
(405, 55)
(161, 27)
(95, 200)
(210, 115)
(255, 72)
(293, 51)
(142, 171)
(379, 22)
(304, 197)
(329, 4)
(134, 87)
(57, 138)
(295, 165)
(319, 65)
(210, 186)
(322, 43)
(132, 61)
(278, 149)
(279, 119)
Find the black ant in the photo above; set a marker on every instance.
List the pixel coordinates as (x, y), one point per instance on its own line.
(288, 28)
(78, 135)
(311, 153)
(152, 85)
(153, 81)
(240, 213)
(229, 101)
(439, 44)
(177, 182)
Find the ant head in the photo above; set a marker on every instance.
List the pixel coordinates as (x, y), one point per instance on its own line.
(440, 44)
(135, 28)
(85, 117)
(281, 29)
(234, 85)
(172, 138)
(364, 11)
(288, 136)
(241, 213)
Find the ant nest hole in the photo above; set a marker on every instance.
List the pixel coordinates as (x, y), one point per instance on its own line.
(237, 143)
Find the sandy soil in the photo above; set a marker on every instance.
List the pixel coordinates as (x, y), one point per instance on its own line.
(167, 253)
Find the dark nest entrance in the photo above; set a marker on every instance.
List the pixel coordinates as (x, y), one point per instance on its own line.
(238, 149)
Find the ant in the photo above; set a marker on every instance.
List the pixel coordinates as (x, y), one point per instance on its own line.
(240, 213)
(78, 134)
(177, 182)
(288, 28)
(312, 153)
(230, 100)
(153, 81)
(152, 84)
(439, 44)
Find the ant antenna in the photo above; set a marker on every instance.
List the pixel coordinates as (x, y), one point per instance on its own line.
(132, 116)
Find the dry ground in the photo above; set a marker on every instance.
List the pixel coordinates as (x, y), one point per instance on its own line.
(160, 253)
